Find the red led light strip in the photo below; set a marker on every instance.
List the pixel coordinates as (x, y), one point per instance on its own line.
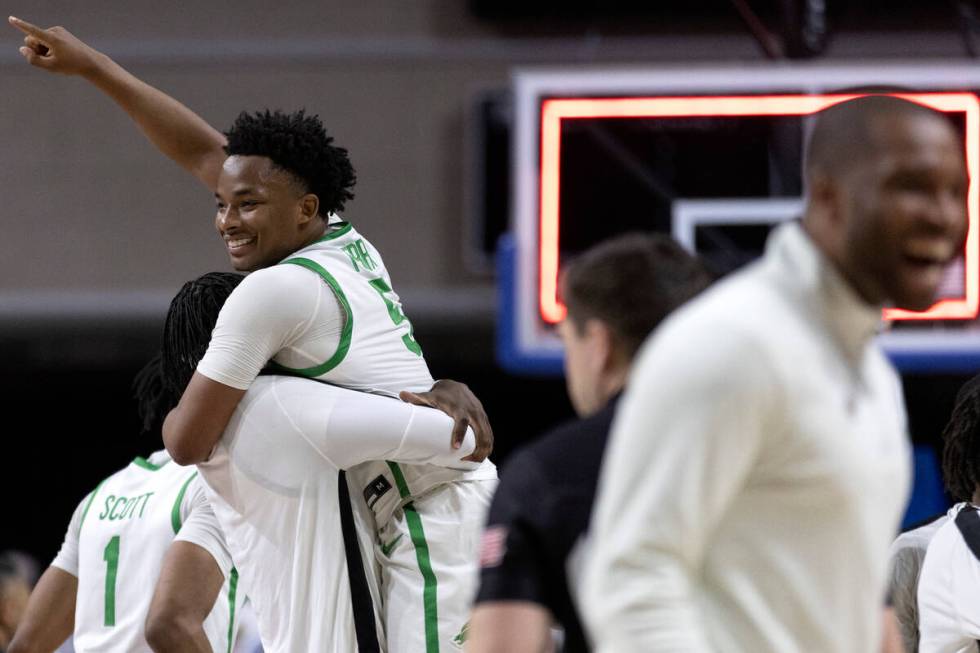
(554, 111)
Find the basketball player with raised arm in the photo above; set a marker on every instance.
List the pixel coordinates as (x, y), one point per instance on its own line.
(320, 305)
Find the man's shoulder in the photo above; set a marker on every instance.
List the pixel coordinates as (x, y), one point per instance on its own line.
(157, 469)
(567, 454)
(274, 275)
(273, 291)
(747, 298)
(918, 535)
(730, 324)
(909, 548)
(949, 538)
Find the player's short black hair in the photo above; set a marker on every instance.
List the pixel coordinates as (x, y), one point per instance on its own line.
(187, 331)
(298, 144)
(631, 283)
(961, 443)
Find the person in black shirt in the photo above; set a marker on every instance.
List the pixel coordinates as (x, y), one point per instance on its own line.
(615, 293)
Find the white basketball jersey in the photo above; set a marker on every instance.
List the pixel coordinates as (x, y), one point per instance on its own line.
(126, 526)
(377, 353)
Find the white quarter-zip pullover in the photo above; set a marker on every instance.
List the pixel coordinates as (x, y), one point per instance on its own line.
(756, 472)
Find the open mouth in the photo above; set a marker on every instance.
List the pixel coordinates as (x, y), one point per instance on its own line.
(925, 261)
(929, 255)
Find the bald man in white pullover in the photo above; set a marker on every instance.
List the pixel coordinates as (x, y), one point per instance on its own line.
(759, 465)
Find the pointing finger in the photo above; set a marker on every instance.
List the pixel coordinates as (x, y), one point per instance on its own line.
(25, 27)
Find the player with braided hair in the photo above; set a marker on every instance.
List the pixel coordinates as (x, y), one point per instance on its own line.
(192, 311)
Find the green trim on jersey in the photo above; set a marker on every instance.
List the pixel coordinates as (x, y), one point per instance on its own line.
(345, 336)
(111, 557)
(429, 597)
(232, 591)
(337, 233)
(175, 520)
(396, 471)
(140, 461)
(91, 498)
(429, 587)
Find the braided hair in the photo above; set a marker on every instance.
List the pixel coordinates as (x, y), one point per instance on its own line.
(961, 443)
(153, 402)
(187, 331)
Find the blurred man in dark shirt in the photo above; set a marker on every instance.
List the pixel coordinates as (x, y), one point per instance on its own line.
(616, 294)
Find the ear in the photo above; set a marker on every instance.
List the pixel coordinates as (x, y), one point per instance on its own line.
(601, 344)
(825, 195)
(309, 207)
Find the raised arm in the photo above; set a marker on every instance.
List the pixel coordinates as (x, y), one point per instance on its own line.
(175, 130)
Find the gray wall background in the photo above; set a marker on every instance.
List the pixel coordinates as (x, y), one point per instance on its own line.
(93, 216)
(89, 205)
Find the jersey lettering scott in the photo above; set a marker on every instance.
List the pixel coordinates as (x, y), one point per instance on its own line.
(118, 508)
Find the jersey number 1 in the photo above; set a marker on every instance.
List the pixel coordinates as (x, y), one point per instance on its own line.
(111, 557)
(396, 315)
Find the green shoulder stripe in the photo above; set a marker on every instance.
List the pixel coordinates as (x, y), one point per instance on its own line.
(91, 498)
(345, 335)
(336, 233)
(175, 520)
(146, 464)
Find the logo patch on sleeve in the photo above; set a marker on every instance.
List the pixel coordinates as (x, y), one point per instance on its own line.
(375, 490)
(494, 546)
